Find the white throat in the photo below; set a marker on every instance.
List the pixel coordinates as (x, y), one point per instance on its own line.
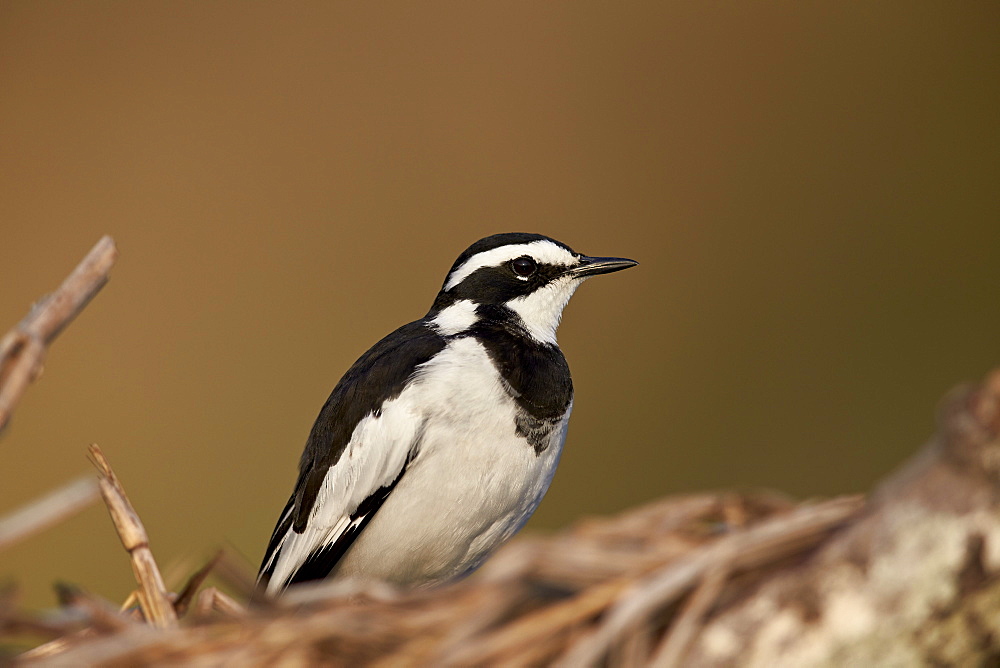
(542, 310)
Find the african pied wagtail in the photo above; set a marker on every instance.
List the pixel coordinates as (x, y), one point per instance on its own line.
(439, 443)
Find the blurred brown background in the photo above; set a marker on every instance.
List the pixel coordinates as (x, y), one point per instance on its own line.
(811, 190)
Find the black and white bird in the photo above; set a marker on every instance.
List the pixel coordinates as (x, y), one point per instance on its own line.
(440, 441)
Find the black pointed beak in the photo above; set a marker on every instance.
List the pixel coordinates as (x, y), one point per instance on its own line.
(591, 266)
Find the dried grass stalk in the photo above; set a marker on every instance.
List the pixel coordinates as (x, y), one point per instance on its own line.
(153, 599)
(22, 349)
(50, 509)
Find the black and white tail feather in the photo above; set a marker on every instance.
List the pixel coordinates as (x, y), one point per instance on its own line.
(440, 441)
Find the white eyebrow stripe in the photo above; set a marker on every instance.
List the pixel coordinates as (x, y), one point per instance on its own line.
(542, 250)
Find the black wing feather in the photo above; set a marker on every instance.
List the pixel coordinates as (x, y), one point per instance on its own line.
(280, 529)
(321, 562)
(378, 376)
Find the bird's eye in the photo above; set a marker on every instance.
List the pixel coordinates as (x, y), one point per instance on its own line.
(523, 266)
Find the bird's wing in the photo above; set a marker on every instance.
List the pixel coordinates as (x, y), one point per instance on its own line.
(357, 451)
(349, 495)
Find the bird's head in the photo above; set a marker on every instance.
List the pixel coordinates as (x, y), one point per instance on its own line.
(529, 275)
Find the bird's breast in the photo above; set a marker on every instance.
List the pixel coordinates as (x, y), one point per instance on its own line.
(474, 481)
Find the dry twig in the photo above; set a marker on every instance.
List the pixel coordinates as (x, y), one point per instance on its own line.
(678, 638)
(22, 349)
(153, 599)
(55, 506)
(212, 600)
(193, 584)
(769, 541)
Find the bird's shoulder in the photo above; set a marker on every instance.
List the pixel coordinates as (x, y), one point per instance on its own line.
(378, 376)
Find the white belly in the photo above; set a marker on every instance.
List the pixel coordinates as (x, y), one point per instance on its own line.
(473, 484)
